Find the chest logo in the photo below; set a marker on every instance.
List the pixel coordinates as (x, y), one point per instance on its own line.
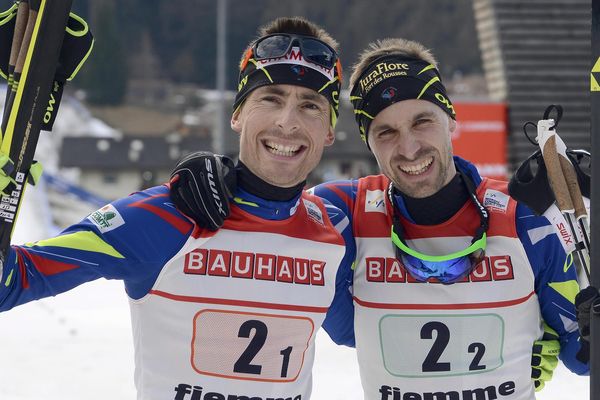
(261, 266)
(374, 201)
(495, 200)
(391, 270)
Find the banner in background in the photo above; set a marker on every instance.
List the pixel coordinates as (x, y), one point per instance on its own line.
(481, 137)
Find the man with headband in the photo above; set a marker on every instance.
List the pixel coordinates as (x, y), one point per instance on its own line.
(231, 314)
(453, 279)
(461, 289)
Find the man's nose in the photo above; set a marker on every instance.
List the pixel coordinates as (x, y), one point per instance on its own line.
(407, 145)
(287, 119)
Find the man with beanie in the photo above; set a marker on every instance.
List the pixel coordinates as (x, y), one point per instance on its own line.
(231, 314)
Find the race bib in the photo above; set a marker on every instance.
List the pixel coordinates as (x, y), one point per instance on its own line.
(250, 346)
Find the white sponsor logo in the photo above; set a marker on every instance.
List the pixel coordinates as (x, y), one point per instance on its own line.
(213, 188)
(561, 228)
(313, 211)
(375, 202)
(495, 200)
(107, 218)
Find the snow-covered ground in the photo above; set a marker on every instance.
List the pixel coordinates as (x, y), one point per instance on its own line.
(78, 345)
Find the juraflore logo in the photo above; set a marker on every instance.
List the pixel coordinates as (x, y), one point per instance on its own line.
(381, 71)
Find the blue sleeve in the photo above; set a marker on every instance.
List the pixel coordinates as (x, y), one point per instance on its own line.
(339, 321)
(130, 239)
(555, 283)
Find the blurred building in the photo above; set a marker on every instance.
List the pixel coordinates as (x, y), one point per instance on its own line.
(537, 53)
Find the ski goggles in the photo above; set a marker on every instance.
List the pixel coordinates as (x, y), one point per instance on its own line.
(290, 59)
(277, 45)
(448, 268)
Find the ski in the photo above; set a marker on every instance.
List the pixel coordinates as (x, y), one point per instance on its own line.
(30, 93)
(595, 195)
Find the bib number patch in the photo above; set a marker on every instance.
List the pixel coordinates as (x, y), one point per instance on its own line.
(441, 345)
(250, 346)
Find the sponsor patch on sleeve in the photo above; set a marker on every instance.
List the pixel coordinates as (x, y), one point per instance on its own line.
(314, 212)
(495, 200)
(107, 218)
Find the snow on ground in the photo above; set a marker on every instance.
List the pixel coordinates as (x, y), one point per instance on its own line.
(78, 345)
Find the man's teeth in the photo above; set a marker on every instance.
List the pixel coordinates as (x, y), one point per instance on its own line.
(282, 150)
(417, 169)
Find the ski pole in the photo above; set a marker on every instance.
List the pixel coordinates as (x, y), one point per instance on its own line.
(564, 184)
(19, 60)
(19, 32)
(37, 62)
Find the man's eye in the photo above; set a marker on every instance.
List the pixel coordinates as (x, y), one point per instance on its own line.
(422, 121)
(271, 99)
(384, 133)
(312, 106)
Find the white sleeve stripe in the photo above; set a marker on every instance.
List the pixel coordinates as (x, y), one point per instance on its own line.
(537, 234)
(342, 225)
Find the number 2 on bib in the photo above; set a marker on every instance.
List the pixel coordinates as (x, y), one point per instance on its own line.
(250, 346)
(441, 345)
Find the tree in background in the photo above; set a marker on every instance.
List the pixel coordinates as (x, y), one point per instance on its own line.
(182, 34)
(105, 76)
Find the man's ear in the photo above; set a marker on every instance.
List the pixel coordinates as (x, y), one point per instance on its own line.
(451, 125)
(236, 122)
(330, 138)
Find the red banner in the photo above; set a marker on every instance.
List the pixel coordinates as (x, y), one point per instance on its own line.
(481, 136)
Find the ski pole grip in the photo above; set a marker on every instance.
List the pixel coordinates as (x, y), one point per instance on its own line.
(573, 185)
(26, 40)
(555, 176)
(20, 26)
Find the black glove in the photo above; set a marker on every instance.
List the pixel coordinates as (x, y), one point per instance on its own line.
(201, 185)
(586, 302)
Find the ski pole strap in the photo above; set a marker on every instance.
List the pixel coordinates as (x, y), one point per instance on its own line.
(77, 45)
(76, 48)
(529, 184)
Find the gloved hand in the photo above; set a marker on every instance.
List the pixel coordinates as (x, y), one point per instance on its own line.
(544, 358)
(201, 185)
(7, 183)
(587, 302)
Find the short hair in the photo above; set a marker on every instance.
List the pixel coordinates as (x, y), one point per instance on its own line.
(295, 25)
(402, 47)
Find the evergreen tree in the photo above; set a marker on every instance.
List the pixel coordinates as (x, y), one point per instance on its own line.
(105, 75)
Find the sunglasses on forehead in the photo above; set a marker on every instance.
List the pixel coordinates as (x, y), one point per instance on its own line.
(278, 45)
(448, 268)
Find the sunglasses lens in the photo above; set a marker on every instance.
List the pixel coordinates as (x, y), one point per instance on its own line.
(272, 47)
(318, 53)
(313, 50)
(450, 271)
